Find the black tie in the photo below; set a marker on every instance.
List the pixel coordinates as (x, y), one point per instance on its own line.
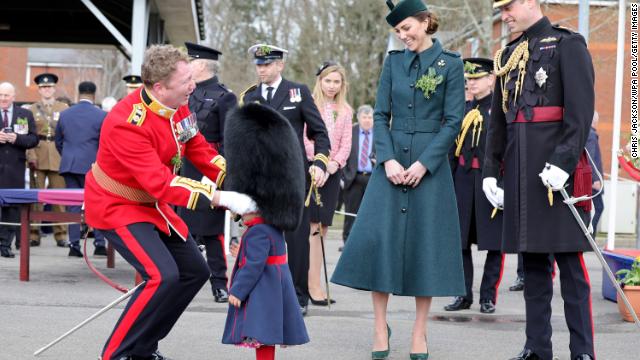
(269, 94)
(5, 119)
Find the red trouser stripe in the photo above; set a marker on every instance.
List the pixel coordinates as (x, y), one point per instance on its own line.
(586, 277)
(495, 301)
(224, 253)
(136, 308)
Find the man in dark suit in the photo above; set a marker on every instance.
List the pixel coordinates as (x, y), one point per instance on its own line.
(355, 174)
(210, 101)
(77, 137)
(18, 134)
(294, 102)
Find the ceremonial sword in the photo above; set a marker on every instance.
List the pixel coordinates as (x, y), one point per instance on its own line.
(570, 201)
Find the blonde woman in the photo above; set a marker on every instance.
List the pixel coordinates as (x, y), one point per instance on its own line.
(330, 96)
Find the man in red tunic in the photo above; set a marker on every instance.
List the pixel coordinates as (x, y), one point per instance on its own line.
(129, 192)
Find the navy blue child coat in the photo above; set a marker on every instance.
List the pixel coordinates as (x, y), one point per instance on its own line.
(261, 279)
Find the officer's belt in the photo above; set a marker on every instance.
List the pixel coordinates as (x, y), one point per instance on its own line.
(271, 260)
(542, 114)
(117, 188)
(475, 163)
(46, 137)
(410, 126)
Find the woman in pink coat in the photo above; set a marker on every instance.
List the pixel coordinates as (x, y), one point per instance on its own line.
(330, 95)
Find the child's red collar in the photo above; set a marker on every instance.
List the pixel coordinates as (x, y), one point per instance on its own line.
(255, 221)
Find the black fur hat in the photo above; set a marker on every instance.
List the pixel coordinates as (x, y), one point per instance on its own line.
(264, 161)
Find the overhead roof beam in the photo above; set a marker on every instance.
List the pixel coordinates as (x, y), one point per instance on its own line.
(109, 26)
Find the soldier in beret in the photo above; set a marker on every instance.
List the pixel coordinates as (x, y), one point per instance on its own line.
(210, 102)
(540, 118)
(480, 220)
(44, 159)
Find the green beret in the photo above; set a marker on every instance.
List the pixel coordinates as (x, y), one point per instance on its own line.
(403, 10)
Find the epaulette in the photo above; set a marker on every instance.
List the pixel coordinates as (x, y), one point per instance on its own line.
(563, 29)
(454, 54)
(242, 94)
(137, 115)
(224, 87)
(395, 52)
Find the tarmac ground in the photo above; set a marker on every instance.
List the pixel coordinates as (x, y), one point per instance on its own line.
(63, 292)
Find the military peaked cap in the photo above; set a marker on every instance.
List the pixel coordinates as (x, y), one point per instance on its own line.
(196, 51)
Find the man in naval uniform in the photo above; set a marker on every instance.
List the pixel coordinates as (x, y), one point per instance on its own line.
(294, 102)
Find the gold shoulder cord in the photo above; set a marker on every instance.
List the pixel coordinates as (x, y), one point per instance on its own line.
(473, 117)
(518, 59)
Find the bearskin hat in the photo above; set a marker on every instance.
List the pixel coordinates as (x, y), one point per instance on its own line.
(264, 161)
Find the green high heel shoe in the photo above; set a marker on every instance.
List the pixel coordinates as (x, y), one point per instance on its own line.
(383, 354)
(419, 356)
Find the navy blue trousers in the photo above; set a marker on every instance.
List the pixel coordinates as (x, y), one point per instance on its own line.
(174, 271)
(575, 289)
(76, 181)
(491, 277)
(216, 259)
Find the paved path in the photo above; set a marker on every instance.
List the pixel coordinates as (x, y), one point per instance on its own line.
(63, 292)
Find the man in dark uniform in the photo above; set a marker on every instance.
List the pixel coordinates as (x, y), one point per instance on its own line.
(294, 102)
(132, 82)
(210, 101)
(480, 220)
(542, 109)
(17, 134)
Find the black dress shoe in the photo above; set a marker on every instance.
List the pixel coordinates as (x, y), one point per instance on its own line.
(487, 307)
(157, 356)
(583, 357)
(303, 310)
(220, 295)
(323, 302)
(459, 303)
(75, 252)
(100, 251)
(526, 354)
(6, 252)
(60, 243)
(517, 285)
(34, 242)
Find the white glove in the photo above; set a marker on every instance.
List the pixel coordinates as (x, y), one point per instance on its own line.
(236, 202)
(553, 176)
(494, 194)
(206, 180)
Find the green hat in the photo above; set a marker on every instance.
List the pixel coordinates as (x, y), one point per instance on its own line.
(403, 10)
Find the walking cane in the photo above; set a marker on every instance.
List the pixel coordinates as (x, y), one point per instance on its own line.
(314, 190)
(91, 318)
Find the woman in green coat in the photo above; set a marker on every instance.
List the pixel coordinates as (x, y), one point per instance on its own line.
(406, 238)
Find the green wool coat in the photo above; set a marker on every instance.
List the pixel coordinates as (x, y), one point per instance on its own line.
(406, 241)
